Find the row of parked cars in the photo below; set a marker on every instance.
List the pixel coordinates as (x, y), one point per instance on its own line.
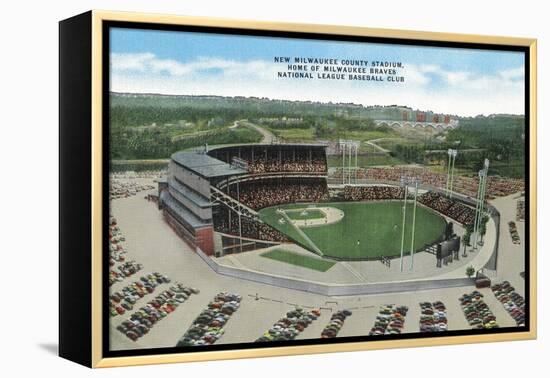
(290, 326)
(476, 311)
(124, 189)
(512, 301)
(124, 270)
(125, 299)
(433, 317)
(141, 321)
(129, 175)
(208, 327)
(335, 324)
(390, 320)
(514, 232)
(117, 252)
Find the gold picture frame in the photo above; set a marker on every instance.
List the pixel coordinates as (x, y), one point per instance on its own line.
(92, 25)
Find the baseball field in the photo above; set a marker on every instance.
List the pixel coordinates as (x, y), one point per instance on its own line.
(367, 230)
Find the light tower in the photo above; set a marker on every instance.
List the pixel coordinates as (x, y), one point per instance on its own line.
(452, 155)
(413, 222)
(449, 155)
(240, 220)
(480, 203)
(404, 184)
(349, 147)
(343, 147)
(481, 173)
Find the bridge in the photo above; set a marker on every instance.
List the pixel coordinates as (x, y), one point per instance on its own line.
(401, 124)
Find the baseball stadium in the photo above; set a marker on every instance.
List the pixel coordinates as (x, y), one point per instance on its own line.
(269, 229)
(247, 208)
(271, 213)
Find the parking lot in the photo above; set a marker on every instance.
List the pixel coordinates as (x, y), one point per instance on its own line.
(151, 242)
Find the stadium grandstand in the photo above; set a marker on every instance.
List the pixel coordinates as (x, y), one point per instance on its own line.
(237, 198)
(221, 189)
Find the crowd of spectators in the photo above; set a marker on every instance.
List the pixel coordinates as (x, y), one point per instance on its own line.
(250, 228)
(372, 193)
(496, 186)
(277, 158)
(271, 192)
(262, 165)
(453, 209)
(503, 186)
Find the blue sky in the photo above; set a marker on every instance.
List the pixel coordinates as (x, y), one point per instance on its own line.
(456, 81)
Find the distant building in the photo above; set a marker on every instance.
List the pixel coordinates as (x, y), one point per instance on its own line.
(420, 117)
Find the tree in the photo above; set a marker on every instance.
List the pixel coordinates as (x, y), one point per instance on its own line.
(470, 271)
(470, 232)
(483, 228)
(466, 241)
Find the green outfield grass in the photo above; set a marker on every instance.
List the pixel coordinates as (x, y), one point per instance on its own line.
(367, 231)
(292, 258)
(310, 214)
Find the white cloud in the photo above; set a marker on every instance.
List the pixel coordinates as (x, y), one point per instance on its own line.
(417, 74)
(513, 74)
(130, 62)
(455, 78)
(147, 62)
(427, 87)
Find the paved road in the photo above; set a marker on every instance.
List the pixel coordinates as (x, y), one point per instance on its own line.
(267, 136)
(379, 148)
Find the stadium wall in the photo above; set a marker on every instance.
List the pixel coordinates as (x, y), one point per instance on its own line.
(333, 290)
(201, 238)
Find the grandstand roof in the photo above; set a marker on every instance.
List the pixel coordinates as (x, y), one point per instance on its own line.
(205, 165)
(272, 145)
